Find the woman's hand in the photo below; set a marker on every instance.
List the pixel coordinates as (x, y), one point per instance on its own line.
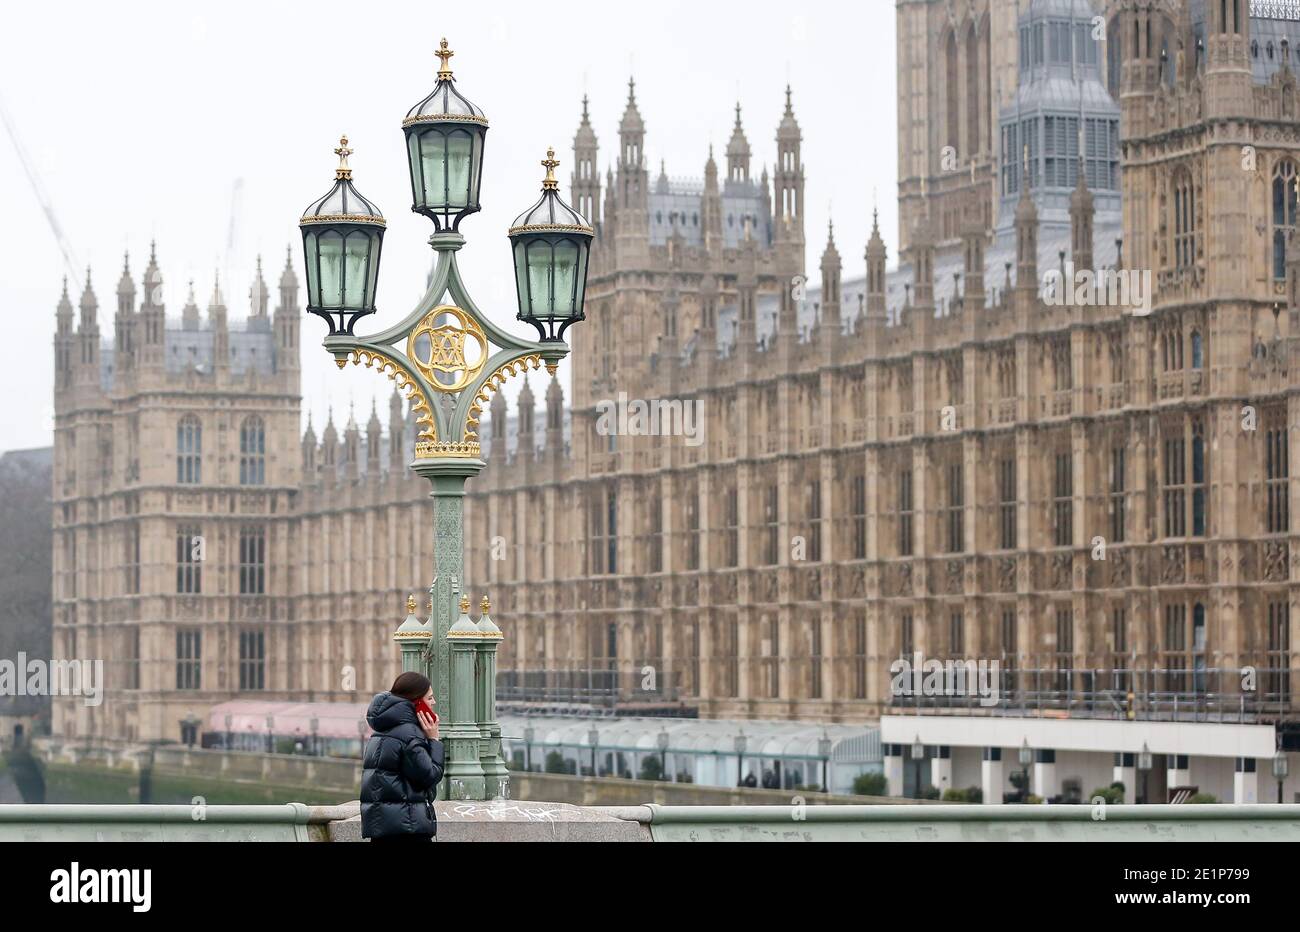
(429, 724)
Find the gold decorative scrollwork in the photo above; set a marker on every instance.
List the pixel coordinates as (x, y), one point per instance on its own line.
(419, 404)
(491, 384)
(440, 350)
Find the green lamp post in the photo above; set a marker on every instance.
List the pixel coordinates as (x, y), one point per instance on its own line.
(447, 358)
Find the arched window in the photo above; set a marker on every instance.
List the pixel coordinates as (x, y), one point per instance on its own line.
(252, 451)
(1184, 202)
(1284, 214)
(189, 451)
(954, 97)
(972, 90)
(1198, 354)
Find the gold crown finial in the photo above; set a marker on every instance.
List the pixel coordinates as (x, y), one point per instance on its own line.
(485, 605)
(549, 163)
(343, 152)
(444, 54)
(410, 605)
(464, 605)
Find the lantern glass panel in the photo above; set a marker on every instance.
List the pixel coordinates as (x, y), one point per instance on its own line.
(372, 268)
(565, 278)
(355, 273)
(330, 250)
(521, 279)
(433, 164)
(539, 277)
(313, 282)
(459, 161)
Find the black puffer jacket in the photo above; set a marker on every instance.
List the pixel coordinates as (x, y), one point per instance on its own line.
(401, 771)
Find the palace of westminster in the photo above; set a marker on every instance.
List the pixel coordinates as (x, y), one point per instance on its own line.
(918, 457)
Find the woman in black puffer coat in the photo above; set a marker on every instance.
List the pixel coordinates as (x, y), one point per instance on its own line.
(402, 765)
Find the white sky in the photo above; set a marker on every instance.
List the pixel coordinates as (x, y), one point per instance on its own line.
(142, 119)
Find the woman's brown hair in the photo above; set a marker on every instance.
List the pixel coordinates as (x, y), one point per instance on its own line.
(411, 685)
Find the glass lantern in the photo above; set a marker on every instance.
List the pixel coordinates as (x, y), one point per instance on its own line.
(444, 150)
(342, 233)
(551, 243)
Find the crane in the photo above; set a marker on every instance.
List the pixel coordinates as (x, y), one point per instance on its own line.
(38, 188)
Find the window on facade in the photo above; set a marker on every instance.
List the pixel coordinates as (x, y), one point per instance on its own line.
(860, 657)
(815, 521)
(1198, 648)
(858, 508)
(1064, 648)
(252, 560)
(1007, 503)
(954, 509)
(131, 558)
(1171, 348)
(1277, 516)
(692, 530)
(731, 523)
(189, 659)
(1278, 662)
(132, 678)
(1284, 213)
(1119, 647)
(905, 513)
(815, 660)
(731, 658)
(956, 635)
(189, 561)
(189, 451)
(772, 656)
(1200, 485)
(972, 92)
(771, 533)
(252, 660)
(252, 452)
(1063, 500)
(954, 97)
(1174, 647)
(1184, 220)
(1062, 366)
(655, 539)
(1174, 488)
(1117, 499)
(906, 640)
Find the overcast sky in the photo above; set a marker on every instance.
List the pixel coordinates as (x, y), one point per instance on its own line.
(210, 127)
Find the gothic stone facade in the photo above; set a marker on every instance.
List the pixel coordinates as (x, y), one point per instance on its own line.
(881, 471)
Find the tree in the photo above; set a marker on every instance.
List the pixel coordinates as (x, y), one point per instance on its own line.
(555, 762)
(651, 769)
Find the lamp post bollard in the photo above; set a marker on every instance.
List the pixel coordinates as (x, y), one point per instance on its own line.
(496, 778)
(446, 358)
(463, 777)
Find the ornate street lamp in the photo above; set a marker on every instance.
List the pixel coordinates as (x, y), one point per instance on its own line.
(593, 738)
(741, 743)
(551, 243)
(1144, 766)
(1280, 769)
(662, 740)
(529, 734)
(342, 233)
(447, 358)
(444, 151)
(1026, 758)
(824, 747)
